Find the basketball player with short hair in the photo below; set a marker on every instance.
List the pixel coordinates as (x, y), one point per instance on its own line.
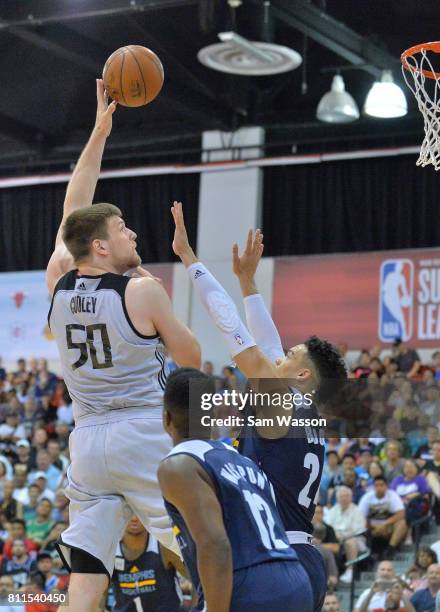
(111, 333)
(293, 464)
(225, 516)
(145, 576)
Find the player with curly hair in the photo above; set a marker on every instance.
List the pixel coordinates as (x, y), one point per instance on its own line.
(292, 461)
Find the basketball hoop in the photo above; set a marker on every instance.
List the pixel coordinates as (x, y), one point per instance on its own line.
(424, 82)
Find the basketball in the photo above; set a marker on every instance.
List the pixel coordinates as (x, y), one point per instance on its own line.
(133, 75)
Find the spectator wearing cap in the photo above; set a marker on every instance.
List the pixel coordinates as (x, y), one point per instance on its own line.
(45, 465)
(17, 531)
(331, 603)
(23, 451)
(393, 463)
(423, 600)
(51, 580)
(11, 431)
(38, 528)
(10, 507)
(20, 565)
(385, 514)
(346, 520)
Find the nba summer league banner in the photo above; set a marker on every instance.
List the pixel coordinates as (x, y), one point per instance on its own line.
(360, 299)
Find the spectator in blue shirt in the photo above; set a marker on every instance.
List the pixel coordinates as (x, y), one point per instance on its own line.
(423, 600)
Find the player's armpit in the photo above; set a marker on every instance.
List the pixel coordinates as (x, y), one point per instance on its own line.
(59, 264)
(187, 486)
(150, 310)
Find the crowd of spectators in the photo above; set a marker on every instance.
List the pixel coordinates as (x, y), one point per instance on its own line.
(374, 488)
(35, 423)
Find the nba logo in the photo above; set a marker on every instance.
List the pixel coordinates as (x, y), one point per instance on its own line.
(396, 299)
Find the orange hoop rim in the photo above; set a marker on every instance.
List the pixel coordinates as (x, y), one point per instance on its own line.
(431, 46)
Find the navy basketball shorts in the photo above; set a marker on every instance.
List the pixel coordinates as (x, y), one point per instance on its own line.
(313, 563)
(276, 586)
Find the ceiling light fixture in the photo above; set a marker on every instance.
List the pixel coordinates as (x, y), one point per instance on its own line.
(337, 105)
(385, 99)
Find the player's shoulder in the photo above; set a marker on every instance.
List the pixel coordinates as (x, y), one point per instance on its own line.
(143, 286)
(178, 473)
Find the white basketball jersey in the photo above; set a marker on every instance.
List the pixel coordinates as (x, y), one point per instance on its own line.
(107, 364)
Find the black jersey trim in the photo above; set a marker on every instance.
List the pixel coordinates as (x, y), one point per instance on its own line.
(161, 375)
(92, 275)
(66, 282)
(119, 283)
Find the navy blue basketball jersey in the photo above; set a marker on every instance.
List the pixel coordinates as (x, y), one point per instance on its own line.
(145, 583)
(251, 519)
(293, 465)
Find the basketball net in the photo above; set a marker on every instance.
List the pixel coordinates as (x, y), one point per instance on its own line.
(427, 92)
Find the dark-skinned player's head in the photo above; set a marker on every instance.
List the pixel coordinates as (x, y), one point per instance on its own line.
(98, 235)
(182, 400)
(312, 365)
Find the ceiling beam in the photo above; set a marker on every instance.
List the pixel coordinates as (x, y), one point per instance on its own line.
(44, 43)
(334, 35)
(22, 132)
(111, 11)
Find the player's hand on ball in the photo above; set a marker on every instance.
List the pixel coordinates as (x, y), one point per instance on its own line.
(104, 110)
(247, 263)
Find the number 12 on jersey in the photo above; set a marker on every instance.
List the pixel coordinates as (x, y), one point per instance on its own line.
(86, 333)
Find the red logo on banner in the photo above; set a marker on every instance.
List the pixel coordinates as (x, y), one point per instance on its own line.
(19, 298)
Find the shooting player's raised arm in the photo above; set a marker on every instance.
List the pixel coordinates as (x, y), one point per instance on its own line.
(82, 184)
